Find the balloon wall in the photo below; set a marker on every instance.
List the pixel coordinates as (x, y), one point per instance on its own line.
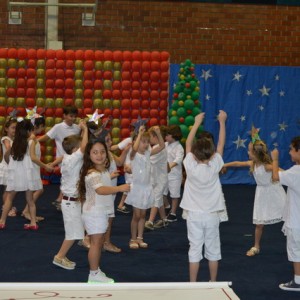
(120, 84)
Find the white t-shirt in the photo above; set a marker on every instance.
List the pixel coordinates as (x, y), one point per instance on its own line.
(202, 189)
(291, 178)
(122, 145)
(58, 132)
(175, 154)
(70, 169)
(159, 169)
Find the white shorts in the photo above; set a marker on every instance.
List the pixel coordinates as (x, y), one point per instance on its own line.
(95, 222)
(174, 187)
(71, 211)
(203, 230)
(293, 244)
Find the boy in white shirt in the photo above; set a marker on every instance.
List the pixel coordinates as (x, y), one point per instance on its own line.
(291, 227)
(74, 146)
(175, 157)
(203, 197)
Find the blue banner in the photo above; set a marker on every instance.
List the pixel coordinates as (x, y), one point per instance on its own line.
(266, 97)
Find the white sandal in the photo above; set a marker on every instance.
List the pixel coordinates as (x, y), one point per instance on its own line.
(253, 251)
(141, 243)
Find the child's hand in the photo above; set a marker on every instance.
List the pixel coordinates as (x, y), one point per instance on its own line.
(114, 174)
(275, 154)
(142, 129)
(156, 129)
(223, 170)
(222, 116)
(49, 168)
(199, 118)
(127, 169)
(124, 187)
(82, 124)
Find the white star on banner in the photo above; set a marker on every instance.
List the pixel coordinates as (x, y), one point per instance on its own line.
(240, 142)
(275, 145)
(237, 76)
(264, 91)
(261, 108)
(206, 74)
(273, 134)
(282, 93)
(249, 92)
(277, 77)
(243, 118)
(282, 126)
(207, 97)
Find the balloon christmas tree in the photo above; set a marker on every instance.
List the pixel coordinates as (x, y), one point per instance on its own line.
(185, 103)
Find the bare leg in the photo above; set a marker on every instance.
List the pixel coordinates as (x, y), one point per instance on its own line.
(25, 213)
(108, 245)
(134, 223)
(7, 205)
(175, 202)
(122, 201)
(194, 269)
(213, 269)
(162, 213)
(65, 247)
(258, 234)
(141, 223)
(31, 206)
(166, 201)
(153, 213)
(296, 266)
(94, 255)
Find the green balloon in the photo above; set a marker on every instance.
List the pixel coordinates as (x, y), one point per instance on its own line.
(188, 62)
(181, 112)
(189, 121)
(195, 95)
(177, 89)
(175, 105)
(187, 91)
(181, 96)
(189, 104)
(193, 84)
(184, 130)
(196, 111)
(174, 120)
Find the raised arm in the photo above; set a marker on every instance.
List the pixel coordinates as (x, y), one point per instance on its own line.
(161, 142)
(275, 171)
(84, 134)
(238, 164)
(189, 141)
(222, 132)
(137, 142)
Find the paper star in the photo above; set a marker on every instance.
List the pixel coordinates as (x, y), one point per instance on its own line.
(273, 134)
(95, 117)
(243, 118)
(237, 76)
(206, 74)
(140, 122)
(282, 126)
(264, 91)
(275, 145)
(32, 114)
(249, 92)
(207, 97)
(13, 113)
(261, 108)
(277, 77)
(282, 93)
(254, 134)
(240, 142)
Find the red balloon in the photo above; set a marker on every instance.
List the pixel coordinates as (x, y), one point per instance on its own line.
(99, 55)
(60, 74)
(69, 83)
(21, 82)
(146, 55)
(125, 104)
(126, 75)
(136, 65)
(117, 55)
(127, 55)
(21, 111)
(60, 54)
(107, 112)
(125, 123)
(60, 64)
(126, 85)
(49, 93)
(69, 74)
(50, 83)
(154, 95)
(153, 113)
(69, 102)
(146, 66)
(135, 85)
(98, 74)
(155, 55)
(145, 85)
(49, 112)
(155, 76)
(11, 73)
(50, 73)
(98, 84)
(9, 110)
(135, 94)
(145, 94)
(164, 95)
(137, 55)
(164, 76)
(116, 94)
(59, 83)
(51, 54)
(125, 113)
(21, 92)
(31, 73)
(87, 103)
(70, 64)
(30, 93)
(125, 132)
(154, 85)
(70, 54)
(145, 104)
(135, 113)
(163, 114)
(59, 112)
(88, 84)
(126, 94)
(135, 104)
(3, 53)
(164, 66)
(108, 55)
(107, 75)
(69, 93)
(79, 55)
(154, 104)
(88, 111)
(116, 85)
(21, 73)
(31, 53)
(107, 94)
(145, 113)
(164, 86)
(165, 55)
(88, 74)
(88, 65)
(12, 53)
(89, 55)
(59, 93)
(30, 102)
(116, 113)
(153, 122)
(163, 122)
(41, 53)
(11, 92)
(88, 93)
(135, 75)
(163, 104)
(155, 66)
(145, 76)
(126, 66)
(2, 108)
(31, 63)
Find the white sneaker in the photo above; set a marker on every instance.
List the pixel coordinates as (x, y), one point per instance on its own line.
(100, 277)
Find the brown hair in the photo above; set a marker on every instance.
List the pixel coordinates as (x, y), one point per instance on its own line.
(8, 122)
(203, 149)
(296, 143)
(70, 142)
(175, 132)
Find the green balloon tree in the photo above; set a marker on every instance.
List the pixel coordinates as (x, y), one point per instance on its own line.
(185, 104)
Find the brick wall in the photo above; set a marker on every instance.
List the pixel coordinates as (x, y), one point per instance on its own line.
(205, 33)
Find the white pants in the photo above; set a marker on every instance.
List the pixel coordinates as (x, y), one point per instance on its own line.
(293, 244)
(174, 187)
(203, 230)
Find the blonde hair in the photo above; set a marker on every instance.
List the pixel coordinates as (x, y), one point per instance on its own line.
(261, 153)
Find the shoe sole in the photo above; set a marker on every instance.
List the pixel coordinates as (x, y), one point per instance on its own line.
(62, 266)
(281, 286)
(100, 282)
(171, 221)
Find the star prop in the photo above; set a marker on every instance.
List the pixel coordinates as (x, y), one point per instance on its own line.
(254, 134)
(32, 114)
(95, 117)
(13, 113)
(102, 132)
(140, 122)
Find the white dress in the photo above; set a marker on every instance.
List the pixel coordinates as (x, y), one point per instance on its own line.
(36, 176)
(21, 175)
(269, 198)
(141, 193)
(3, 164)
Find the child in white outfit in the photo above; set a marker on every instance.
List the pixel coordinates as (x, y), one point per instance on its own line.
(291, 228)
(141, 196)
(96, 193)
(74, 147)
(175, 157)
(203, 197)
